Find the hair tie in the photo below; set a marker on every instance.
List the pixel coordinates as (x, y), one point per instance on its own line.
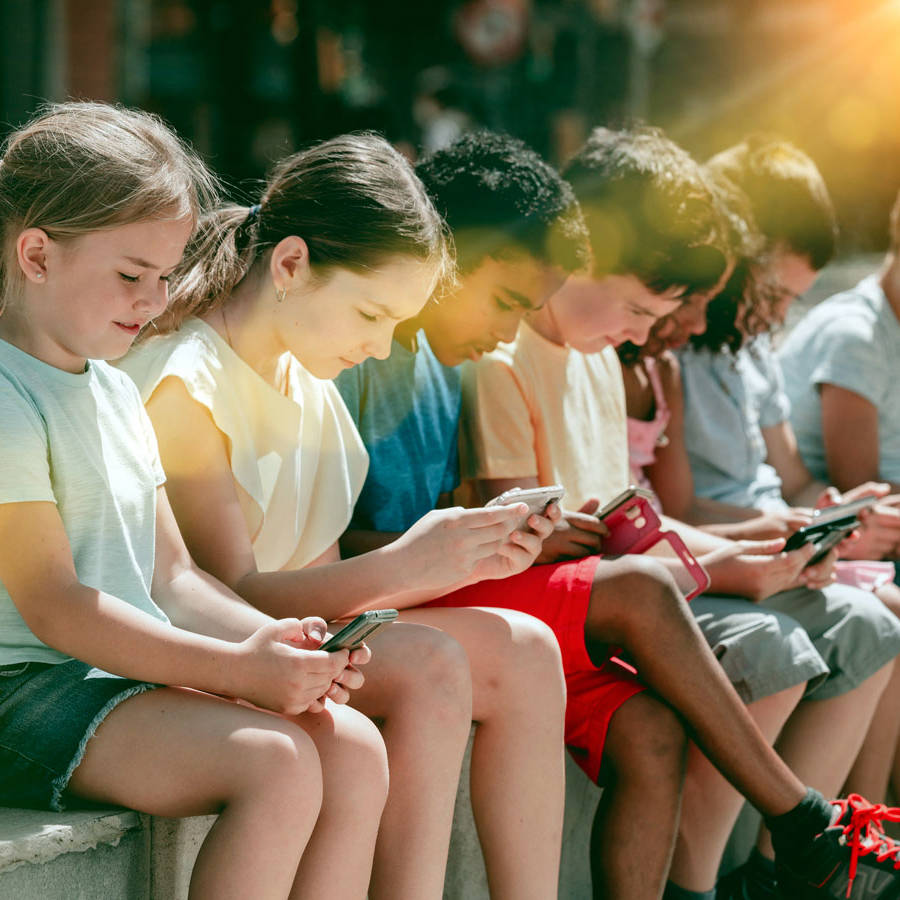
(253, 213)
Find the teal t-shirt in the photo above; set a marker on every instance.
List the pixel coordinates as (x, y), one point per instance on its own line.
(406, 408)
(83, 442)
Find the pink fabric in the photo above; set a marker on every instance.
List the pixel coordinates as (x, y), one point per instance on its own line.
(864, 573)
(645, 437)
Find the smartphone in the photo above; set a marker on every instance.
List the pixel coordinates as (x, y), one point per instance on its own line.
(353, 634)
(634, 527)
(536, 499)
(617, 501)
(829, 527)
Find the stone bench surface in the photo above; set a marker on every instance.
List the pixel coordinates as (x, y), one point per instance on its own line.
(35, 837)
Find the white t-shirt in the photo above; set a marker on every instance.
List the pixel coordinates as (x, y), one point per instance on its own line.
(84, 442)
(296, 456)
(534, 408)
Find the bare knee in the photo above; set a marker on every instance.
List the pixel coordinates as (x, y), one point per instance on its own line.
(281, 760)
(529, 663)
(418, 674)
(646, 742)
(889, 595)
(630, 595)
(441, 671)
(353, 756)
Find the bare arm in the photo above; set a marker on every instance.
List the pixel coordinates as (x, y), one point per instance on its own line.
(38, 570)
(673, 481)
(670, 474)
(850, 437)
(442, 551)
(355, 541)
(798, 487)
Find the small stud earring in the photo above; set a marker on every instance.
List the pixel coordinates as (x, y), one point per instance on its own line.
(280, 294)
(38, 274)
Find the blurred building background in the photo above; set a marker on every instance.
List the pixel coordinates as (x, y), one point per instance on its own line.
(249, 80)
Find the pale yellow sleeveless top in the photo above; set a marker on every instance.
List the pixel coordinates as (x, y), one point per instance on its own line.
(297, 458)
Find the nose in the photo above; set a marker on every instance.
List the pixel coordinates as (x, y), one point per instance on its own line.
(153, 300)
(505, 331)
(638, 334)
(380, 348)
(695, 323)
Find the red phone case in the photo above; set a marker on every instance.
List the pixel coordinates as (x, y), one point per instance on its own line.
(634, 527)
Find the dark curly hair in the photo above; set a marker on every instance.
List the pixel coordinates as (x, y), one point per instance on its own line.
(774, 199)
(649, 210)
(498, 197)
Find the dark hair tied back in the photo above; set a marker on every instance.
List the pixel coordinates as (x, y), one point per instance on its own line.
(354, 200)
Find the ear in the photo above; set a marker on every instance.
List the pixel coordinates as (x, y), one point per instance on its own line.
(289, 263)
(32, 247)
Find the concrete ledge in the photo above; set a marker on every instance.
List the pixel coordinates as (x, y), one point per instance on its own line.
(123, 855)
(35, 837)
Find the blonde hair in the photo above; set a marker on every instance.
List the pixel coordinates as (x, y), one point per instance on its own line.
(82, 167)
(354, 200)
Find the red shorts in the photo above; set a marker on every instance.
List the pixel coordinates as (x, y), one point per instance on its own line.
(558, 594)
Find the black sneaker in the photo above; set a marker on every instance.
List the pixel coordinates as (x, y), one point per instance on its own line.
(852, 857)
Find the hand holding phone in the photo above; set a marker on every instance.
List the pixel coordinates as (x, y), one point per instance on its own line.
(829, 527)
(353, 634)
(634, 527)
(536, 499)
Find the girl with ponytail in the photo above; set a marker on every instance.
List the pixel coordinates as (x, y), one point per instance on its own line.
(265, 465)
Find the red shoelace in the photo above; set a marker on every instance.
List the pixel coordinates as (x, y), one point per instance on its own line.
(863, 833)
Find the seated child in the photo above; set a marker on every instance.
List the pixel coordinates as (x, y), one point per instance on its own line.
(264, 465)
(117, 651)
(841, 366)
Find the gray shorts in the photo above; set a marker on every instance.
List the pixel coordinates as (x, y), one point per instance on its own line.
(48, 713)
(832, 639)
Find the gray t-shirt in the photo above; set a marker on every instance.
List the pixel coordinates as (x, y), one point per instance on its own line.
(83, 442)
(851, 340)
(728, 401)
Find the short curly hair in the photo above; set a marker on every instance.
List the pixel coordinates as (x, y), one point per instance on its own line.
(649, 209)
(499, 197)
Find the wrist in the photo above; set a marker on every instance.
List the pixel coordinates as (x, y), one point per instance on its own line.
(394, 572)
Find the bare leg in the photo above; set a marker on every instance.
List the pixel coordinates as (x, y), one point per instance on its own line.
(188, 754)
(518, 774)
(338, 858)
(710, 805)
(824, 764)
(418, 686)
(672, 657)
(642, 773)
(872, 770)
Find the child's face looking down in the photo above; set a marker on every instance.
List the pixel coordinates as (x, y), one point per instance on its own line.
(589, 314)
(793, 276)
(675, 330)
(487, 307)
(89, 296)
(338, 322)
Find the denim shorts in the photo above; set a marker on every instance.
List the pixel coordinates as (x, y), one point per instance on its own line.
(48, 713)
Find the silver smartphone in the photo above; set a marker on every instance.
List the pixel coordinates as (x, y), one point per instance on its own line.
(536, 499)
(354, 633)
